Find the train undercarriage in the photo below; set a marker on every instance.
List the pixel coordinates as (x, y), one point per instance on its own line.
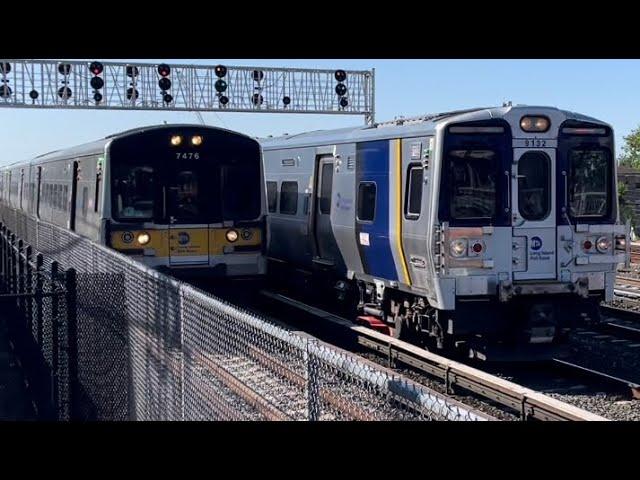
(525, 328)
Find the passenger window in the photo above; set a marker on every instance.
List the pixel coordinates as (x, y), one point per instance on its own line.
(534, 186)
(590, 182)
(272, 196)
(289, 198)
(65, 197)
(366, 201)
(325, 188)
(413, 199)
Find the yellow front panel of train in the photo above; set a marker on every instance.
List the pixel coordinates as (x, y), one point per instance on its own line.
(156, 245)
(246, 237)
(187, 242)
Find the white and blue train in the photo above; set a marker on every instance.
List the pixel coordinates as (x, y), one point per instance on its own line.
(480, 229)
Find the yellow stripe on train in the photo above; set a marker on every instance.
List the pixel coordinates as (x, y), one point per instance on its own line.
(185, 241)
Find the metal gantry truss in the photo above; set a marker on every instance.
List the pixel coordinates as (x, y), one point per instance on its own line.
(135, 86)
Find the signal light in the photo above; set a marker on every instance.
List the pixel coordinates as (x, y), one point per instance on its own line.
(286, 100)
(220, 71)
(64, 68)
(258, 75)
(33, 94)
(223, 100)
(535, 124)
(5, 91)
(164, 83)
(97, 97)
(477, 247)
(5, 67)
(164, 70)
(167, 98)
(458, 247)
(344, 102)
(96, 83)
(143, 238)
(341, 89)
(132, 93)
(220, 86)
(64, 92)
(603, 244)
(232, 235)
(257, 99)
(340, 75)
(132, 71)
(96, 68)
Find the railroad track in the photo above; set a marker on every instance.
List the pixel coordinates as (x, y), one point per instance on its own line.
(622, 322)
(635, 252)
(528, 403)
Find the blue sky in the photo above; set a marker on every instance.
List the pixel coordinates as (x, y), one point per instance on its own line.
(605, 89)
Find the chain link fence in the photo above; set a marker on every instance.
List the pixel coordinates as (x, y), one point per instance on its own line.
(144, 346)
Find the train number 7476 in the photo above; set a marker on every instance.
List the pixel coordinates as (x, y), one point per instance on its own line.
(187, 156)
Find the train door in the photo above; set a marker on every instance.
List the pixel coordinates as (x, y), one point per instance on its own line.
(186, 210)
(326, 247)
(74, 196)
(534, 214)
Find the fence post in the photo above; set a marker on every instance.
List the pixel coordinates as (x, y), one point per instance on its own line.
(2, 270)
(38, 298)
(55, 400)
(12, 273)
(72, 340)
(313, 392)
(28, 286)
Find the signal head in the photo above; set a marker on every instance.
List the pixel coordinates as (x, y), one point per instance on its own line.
(96, 68)
(220, 71)
(96, 83)
(340, 75)
(164, 70)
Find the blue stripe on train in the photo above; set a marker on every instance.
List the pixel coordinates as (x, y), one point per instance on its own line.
(372, 165)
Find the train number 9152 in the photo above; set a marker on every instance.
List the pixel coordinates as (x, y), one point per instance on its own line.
(535, 143)
(187, 156)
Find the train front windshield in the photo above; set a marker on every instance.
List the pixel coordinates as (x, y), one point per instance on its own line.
(214, 182)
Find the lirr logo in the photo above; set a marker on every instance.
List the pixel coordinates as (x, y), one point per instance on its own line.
(536, 243)
(183, 238)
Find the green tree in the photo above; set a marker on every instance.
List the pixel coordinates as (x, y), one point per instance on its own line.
(630, 156)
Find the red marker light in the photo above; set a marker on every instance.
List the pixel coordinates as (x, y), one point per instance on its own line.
(587, 244)
(477, 247)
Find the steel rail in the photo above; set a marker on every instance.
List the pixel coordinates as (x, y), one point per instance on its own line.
(529, 403)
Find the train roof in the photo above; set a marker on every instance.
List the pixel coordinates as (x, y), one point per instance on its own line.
(422, 125)
(96, 146)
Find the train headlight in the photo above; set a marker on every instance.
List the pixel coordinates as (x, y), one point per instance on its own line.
(458, 247)
(603, 244)
(621, 242)
(176, 140)
(232, 235)
(143, 238)
(535, 124)
(196, 140)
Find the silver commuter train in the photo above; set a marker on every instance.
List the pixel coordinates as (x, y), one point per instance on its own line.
(182, 198)
(483, 229)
